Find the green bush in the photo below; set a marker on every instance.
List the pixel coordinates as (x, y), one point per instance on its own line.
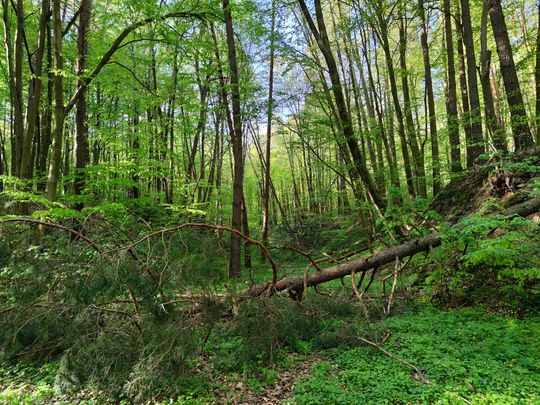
(492, 260)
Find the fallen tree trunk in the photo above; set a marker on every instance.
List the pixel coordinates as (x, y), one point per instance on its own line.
(410, 248)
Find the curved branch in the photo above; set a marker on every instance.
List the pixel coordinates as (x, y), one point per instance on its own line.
(53, 225)
(85, 81)
(247, 239)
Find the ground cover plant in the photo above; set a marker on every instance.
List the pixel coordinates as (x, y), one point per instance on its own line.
(269, 201)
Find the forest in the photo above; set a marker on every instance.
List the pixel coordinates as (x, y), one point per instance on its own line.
(270, 202)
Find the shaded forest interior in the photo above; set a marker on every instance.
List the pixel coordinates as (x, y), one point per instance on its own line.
(270, 201)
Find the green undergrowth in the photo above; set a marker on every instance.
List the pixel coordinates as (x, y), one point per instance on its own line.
(467, 355)
(118, 325)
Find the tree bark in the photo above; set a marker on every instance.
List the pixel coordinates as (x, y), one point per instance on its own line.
(520, 126)
(236, 140)
(381, 258)
(46, 119)
(266, 183)
(475, 147)
(537, 77)
(56, 155)
(451, 94)
(82, 150)
(497, 132)
(464, 91)
(323, 42)
(435, 163)
(18, 84)
(395, 97)
(418, 157)
(34, 93)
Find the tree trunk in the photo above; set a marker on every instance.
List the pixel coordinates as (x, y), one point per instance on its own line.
(171, 126)
(245, 229)
(475, 147)
(418, 157)
(46, 119)
(323, 42)
(397, 106)
(537, 77)
(464, 91)
(520, 126)
(236, 140)
(56, 155)
(436, 170)
(266, 183)
(497, 132)
(451, 94)
(34, 94)
(381, 258)
(82, 150)
(18, 85)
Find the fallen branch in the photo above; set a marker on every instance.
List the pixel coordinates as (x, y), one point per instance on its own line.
(419, 374)
(52, 225)
(397, 271)
(376, 260)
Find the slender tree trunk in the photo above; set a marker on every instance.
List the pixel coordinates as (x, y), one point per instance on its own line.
(236, 140)
(14, 66)
(170, 126)
(435, 163)
(266, 183)
(136, 153)
(497, 132)
(464, 91)
(18, 85)
(397, 106)
(418, 157)
(476, 146)
(520, 126)
(3, 162)
(537, 76)
(34, 94)
(323, 42)
(201, 125)
(82, 150)
(56, 156)
(245, 229)
(46, 119)
(377, 104)
(451, 94)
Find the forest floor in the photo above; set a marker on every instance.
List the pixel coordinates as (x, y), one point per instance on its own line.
(467, 355)
(464, 327)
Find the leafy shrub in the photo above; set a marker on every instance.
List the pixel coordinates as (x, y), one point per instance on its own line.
(489, 259)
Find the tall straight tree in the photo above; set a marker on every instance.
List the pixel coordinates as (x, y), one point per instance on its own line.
(520, 126)
(464, 91)
(475, 147)
(497, 131)
(34, 94)
(537, 76)
(56, 148)
(383, 37)
(82, 150)
(14, 58)
(323, 42)
(417, 154)
(436, 170)
(236, 140)
(266, 183)
(451, 94)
